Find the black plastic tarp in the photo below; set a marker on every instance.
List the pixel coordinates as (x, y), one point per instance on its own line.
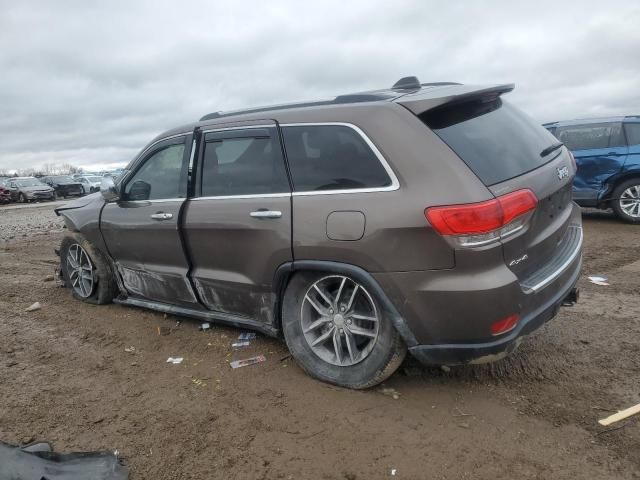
(38, 462)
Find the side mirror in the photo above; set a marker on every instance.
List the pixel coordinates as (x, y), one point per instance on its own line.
(109, 190)
(140, 190)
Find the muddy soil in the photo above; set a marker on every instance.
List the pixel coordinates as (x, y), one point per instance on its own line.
(65, 377)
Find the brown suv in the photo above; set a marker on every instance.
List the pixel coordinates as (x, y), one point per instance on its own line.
(430, 217)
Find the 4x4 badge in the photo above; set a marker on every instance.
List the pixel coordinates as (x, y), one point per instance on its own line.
(562, 172)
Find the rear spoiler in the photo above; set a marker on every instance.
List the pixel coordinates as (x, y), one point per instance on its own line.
(427, 99)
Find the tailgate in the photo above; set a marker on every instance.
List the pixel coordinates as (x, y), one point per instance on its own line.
(527, 253)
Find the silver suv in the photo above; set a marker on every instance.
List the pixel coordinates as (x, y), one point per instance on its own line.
(430, 218)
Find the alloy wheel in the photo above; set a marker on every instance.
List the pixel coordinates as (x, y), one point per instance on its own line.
(630, 201)
(80, 270)
(339, 320)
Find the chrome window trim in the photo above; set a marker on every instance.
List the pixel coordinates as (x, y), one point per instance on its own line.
(560, 270)
(142, 202)
(395, 184)
(229, 197)
(245, 127)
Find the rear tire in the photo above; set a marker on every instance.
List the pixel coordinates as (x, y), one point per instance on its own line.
(626, 201)
(363, 359)
(96, 286)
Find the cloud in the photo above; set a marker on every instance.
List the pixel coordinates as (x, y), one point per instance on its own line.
(91, 83)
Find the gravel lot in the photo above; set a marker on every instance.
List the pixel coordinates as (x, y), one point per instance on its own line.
(65, 376)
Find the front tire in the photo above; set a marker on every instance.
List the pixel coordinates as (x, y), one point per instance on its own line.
(626, 201)
(86, 271)
(338, 332)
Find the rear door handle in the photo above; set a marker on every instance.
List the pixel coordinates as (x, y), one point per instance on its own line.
(266, 214)
(162, 216)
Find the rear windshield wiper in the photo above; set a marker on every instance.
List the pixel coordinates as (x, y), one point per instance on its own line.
(550, 149)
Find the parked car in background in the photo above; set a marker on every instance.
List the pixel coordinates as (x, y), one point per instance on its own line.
(607, 154)
(424, 217)
(5, 194)
(27, 189)
(90, 183)
(64, 186)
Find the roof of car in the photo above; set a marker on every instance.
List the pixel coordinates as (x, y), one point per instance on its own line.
(586, 121)
(409, 88)
(402, 87)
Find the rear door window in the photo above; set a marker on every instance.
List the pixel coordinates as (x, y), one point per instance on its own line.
(496, 140)
(243, 162)
(633, 133)
(331, 157)
(591, 136)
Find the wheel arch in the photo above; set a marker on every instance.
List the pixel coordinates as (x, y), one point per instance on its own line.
(615, 182)
(285, 272)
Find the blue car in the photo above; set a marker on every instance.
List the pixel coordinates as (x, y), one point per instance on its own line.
(607, 153)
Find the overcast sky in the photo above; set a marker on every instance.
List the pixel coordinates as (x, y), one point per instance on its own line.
(91, 84)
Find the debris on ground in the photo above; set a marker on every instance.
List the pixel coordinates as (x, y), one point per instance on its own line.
(163, 331)
(286, 357)
(241, 344)
(175, 360)
(599, 280)
(621, 415)
(247, 336)
(205, 326)
(197, 381)
(130, 349)
(458, 413)
(38, 460)
(33, 307)
(48, 278)
(390, 392)
(248, 361)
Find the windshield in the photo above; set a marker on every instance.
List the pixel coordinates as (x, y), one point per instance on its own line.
(29, 182)
(61, 179)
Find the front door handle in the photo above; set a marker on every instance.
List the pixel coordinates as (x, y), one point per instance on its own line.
(162, 216)
(266, 214)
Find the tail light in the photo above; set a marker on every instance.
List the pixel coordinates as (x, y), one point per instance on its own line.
(476, 224)
(504, 325)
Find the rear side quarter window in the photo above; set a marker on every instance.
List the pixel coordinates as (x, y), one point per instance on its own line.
(332, 157)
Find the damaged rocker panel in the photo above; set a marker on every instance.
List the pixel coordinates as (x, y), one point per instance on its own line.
(218, 317)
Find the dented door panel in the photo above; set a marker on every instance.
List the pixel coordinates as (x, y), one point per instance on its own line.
(148, 253)
(235, 255)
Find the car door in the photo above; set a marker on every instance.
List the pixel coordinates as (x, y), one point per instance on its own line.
(632, 131)
(237, 228)
(141, 228)
(600, 151)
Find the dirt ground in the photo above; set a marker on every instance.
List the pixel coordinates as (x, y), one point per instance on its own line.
(65, 377)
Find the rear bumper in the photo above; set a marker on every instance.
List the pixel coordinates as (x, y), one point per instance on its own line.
(476, 353)
(450, 312)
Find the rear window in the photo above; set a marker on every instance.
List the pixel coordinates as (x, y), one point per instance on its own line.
(331, 157)
(496, 140)
(591, 136)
